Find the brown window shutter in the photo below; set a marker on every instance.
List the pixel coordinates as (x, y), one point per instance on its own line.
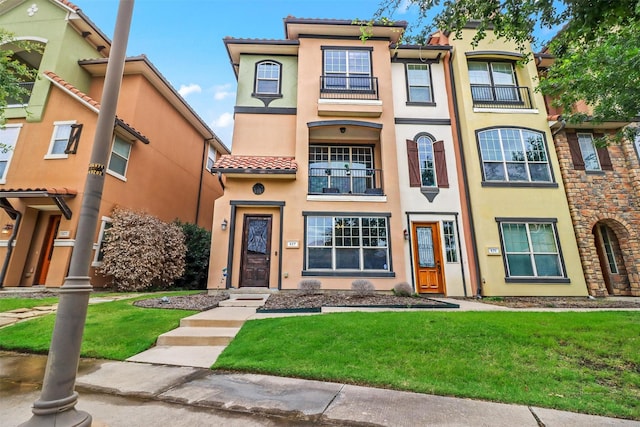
(574, 147)
(414, 164)
(441, 164)
(603, 155)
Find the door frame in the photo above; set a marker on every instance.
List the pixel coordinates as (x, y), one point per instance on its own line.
(245, 220)
(46, 249)
(438, 254)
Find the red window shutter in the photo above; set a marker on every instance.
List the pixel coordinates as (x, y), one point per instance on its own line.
(414, 164)
(603, 155)
(441, 164)
(574, 147)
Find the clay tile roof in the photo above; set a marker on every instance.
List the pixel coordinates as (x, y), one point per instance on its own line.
(228, 163)
(53, 76)
(69, 4)
(553, 117)
(51, 191)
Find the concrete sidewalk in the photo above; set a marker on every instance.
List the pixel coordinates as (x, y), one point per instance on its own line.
(293, 401)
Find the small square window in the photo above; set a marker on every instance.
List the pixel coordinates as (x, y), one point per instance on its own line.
(419, 83)
(62, 133)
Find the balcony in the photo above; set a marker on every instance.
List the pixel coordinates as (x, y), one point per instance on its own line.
(503, 97)
(349, 87)
(365, 182)
(22, 99)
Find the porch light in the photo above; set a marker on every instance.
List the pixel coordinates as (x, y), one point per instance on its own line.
(7, 228)
(224, 224)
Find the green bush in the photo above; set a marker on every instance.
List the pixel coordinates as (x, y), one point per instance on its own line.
(196, 268)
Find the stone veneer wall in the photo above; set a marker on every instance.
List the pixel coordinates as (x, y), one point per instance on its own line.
(611, 198)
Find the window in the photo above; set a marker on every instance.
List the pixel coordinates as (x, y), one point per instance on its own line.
(637, 142)
(8, 139)
(268, 78)
(99, 245)
(347, 69)
(450, 244)
(119, 157)
(493, 81)
(427, 165)
(419, 83)
(211, 157)
(342, 169)
(514, 155)
(347, 243)
(427, 162)
(64, 139)
(531, 249)
(608, 249)
(588, 151)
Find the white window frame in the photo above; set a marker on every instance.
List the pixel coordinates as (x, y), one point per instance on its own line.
(488, 77)
(56, 126)
(637, 142)
(588, 148)
(348, 70)
(426, 69)
(7, 148)
(97, 247)
(425, 148)
(211, 157)
(531, 252)
(608, 249)
(498, 147)
(452, 254)
(113, 173)
(361, 244)
(260, 78)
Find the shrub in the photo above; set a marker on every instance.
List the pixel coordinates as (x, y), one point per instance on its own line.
(196, 269)
(141, 252)
(403, 289)
(362, 287)
(309, 286)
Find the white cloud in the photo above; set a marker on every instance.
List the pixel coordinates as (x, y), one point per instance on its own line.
(187, 90)
(223, 121)
(404, 6)
(221, 92)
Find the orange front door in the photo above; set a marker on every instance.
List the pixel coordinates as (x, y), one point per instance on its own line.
(47, 249)
(427, 258)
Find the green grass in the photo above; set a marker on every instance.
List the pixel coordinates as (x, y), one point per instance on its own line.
(8, 304)
(113, 330)
(583, 362)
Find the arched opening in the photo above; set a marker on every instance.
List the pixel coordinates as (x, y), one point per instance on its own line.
(607, 237)
(28, 54)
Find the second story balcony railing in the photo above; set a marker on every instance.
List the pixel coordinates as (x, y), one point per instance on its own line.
(348, 87)
(505, 96)
(345, 181)
(24, 98)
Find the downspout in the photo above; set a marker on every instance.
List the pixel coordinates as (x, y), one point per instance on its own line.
(5, 265)
(465, 176)
(563, 124)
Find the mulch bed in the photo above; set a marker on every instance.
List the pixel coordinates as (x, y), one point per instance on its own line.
(295, 300)
(560, 302)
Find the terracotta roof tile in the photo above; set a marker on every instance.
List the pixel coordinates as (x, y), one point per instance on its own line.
(53, 76)
(69, 4)
(51, 191)
(265, 163)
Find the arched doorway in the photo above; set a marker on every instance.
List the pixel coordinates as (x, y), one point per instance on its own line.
(611, 258)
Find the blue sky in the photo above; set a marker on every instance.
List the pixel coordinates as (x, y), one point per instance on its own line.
(183, 39)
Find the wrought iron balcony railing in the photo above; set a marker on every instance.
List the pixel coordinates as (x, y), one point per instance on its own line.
(24, 98)
(501, 96)
(345, 181)
(348, 87)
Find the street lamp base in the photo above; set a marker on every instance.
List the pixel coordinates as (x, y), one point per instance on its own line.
(69, 418)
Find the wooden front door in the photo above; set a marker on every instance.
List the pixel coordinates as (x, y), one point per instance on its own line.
(47, 249)
(256, 251)
(427, 258)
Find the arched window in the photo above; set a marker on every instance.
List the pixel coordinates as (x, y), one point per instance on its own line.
(267, 78)
(426, 161)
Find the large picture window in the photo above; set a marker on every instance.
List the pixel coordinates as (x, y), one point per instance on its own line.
(531, 250)
(514, 155)
(493, 81)
(347, 243)
(341, 169)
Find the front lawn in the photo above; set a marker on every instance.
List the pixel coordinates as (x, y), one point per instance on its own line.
(8, 304)
(114, 330)
(582, 362)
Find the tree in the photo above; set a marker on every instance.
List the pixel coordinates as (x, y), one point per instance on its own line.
(196, 270)
(597, 51)
(12, 70)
